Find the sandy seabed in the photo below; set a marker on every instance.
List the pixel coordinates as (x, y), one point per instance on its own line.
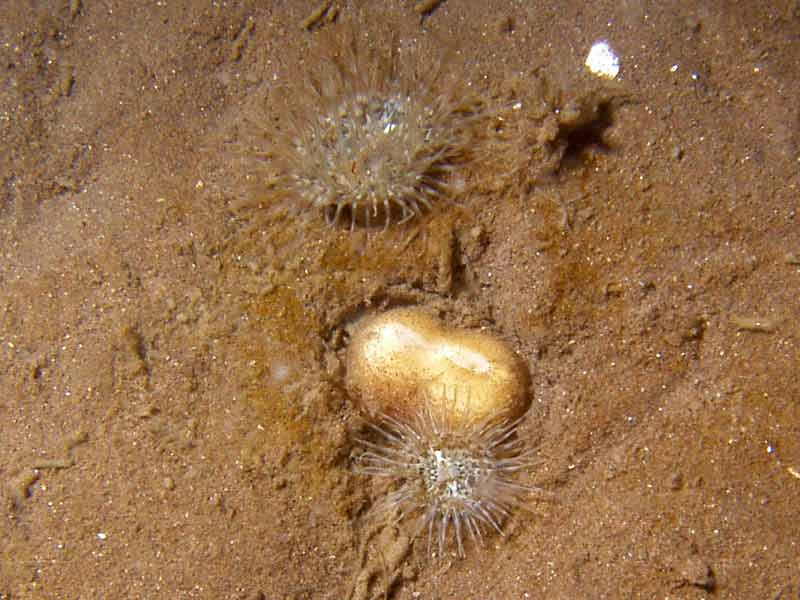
(173, 422)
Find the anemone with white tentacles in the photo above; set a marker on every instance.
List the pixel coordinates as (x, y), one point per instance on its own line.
(372, 135)
(456, 481)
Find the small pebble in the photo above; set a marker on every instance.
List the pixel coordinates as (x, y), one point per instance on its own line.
(603, 61)
(692, 24)
(409, 573)
(676, 482)
(65, 83)
(696, 572)
(505, 24)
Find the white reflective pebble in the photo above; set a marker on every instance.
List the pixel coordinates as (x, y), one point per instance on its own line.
(603, 61)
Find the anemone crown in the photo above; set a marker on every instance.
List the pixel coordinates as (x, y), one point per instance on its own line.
(459, 478)
(369, 136)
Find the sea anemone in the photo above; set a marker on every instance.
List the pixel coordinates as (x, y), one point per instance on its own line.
(452, 477)
(369, 136)
(443, 405)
